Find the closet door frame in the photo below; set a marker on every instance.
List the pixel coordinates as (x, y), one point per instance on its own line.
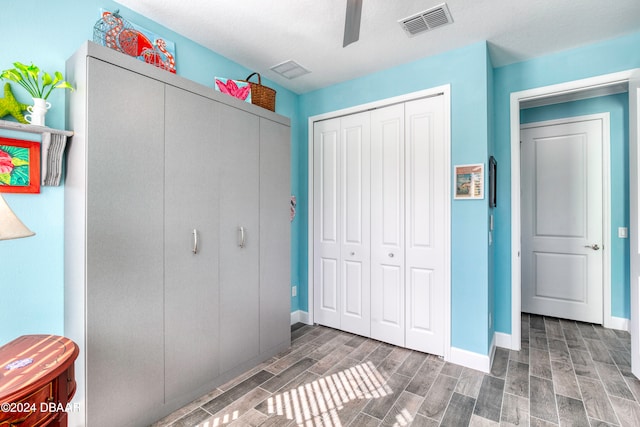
(445, 91)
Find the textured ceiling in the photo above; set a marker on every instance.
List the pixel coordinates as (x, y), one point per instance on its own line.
(259, 34)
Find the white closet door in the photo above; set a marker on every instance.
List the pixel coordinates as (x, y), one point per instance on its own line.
(355, 213)
(426, 198)
(327, 223)
(387, 225)
(341, 223)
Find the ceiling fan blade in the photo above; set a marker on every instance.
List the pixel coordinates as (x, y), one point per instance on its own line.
(352, 22)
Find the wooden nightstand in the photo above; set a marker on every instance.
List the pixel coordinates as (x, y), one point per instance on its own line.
(37, 381)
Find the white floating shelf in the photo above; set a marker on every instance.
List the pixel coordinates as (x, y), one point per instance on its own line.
(5, 124)
(52, 149)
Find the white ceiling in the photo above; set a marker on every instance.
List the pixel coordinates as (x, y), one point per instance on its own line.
(259, 34)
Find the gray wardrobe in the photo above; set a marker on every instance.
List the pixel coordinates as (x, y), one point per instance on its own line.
(177, 237)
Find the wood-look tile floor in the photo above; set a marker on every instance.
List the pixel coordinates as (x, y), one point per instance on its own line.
(567, 373)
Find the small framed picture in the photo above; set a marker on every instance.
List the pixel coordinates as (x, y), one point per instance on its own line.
(469, 182)
(19, 166)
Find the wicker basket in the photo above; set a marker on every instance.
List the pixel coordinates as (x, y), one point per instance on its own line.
(262, 96)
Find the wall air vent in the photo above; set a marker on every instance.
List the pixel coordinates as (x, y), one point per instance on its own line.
(426, 20)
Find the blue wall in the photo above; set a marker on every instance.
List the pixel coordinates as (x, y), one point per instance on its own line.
(618, 108)
(467, 71)
(600, 58)
(47, 33)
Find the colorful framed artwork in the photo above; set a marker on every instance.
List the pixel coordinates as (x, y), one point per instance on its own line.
(19, 166)
(113, 31)
(469, 181)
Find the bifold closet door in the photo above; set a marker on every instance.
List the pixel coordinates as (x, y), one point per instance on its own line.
(341, 223)
(326, 223)
(425, 220)
(387, 225)
(380, 218)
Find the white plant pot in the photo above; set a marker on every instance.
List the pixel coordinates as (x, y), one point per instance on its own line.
(38, 111)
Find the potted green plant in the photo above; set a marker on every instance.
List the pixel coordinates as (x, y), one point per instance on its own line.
(39, 87)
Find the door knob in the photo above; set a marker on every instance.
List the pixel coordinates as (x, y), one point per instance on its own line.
(595, 246)
(391, 255)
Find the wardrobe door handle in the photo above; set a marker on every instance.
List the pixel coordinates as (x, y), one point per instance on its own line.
(195, 241)
(242, 230)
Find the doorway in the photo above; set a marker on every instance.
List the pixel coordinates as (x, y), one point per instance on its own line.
(579, 89)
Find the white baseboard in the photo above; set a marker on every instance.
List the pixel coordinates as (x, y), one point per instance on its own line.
(299, 316)
(619, 323)
(478, 361)
(472, 360)
(503, 340)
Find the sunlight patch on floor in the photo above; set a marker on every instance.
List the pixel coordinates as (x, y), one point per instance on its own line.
(317, 403)
(221, 420)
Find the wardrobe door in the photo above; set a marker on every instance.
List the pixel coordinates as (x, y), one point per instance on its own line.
(425, 220)
(354, 211)
(387, 225)
(239, 166)
(191, 242)
(124, 240)
(275, 230)
(326, 222)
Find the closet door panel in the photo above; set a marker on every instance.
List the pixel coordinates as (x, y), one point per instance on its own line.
(424, 219)
(275, 230)
(354, 213)
(419, 293)
(327, 223)
(191, 261)
(239, 237)
(387, 225)
(124, 240)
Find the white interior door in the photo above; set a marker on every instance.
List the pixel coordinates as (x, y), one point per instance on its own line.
(634, 200)
(326, 223)
(562, 235)
(355, 210)
(426, 195)
(387, 225)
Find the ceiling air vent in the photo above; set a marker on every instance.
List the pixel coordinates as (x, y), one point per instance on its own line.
(290, 69)
(426, 20)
